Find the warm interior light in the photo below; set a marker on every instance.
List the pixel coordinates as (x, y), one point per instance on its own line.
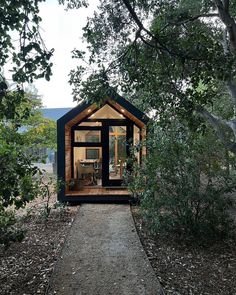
(121, 115)
(122, 110)
(92, 115)
(89, 110)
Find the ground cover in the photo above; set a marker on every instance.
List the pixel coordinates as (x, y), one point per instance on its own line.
(187, 269)
(26, 267)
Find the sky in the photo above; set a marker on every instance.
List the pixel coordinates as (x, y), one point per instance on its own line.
(61, 30)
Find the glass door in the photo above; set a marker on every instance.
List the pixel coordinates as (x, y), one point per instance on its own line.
(117, 152)
(116, 142)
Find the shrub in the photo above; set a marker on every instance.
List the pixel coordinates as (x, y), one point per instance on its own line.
(8, 230)
(183, 182)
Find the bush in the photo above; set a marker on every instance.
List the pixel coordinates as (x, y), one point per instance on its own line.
(8, 230)
(183, 182)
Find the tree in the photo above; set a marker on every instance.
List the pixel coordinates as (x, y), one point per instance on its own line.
(39, 132)
(24, 55)
(177, 56)
(19, 178)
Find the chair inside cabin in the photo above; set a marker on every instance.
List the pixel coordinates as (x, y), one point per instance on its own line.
(85, 173)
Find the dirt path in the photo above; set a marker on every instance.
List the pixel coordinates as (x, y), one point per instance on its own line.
(103, 255)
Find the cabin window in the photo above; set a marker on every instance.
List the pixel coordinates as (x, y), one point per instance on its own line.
(90, 124)
(137, 141)
(87, 136)
(107, 112)
(88, 165)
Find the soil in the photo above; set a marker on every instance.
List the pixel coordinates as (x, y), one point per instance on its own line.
(26, 267)
(184, 269)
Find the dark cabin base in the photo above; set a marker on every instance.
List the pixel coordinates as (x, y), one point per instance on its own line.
(101, 195)
(98, 199)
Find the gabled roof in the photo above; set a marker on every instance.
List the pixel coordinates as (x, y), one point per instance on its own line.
(117, 102)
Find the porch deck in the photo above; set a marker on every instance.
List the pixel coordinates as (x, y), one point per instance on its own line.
(99, 191)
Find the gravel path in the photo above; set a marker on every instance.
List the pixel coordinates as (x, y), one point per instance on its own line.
(103, 255)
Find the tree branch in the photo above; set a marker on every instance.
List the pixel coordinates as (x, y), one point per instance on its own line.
(229, 22)
(226, 5)
(139, 23)
(218, 125)
(232, 90)
(232, 125)
(141, 27)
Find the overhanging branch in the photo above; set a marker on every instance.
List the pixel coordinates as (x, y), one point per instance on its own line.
(158, 43)
(218, 124)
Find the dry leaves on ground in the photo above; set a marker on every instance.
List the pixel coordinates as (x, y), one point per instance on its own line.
(25, 268)
(184, 269)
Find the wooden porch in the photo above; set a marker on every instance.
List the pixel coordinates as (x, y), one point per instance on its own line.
(100, 191)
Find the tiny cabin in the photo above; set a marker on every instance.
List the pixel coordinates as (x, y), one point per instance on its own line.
(94, 148)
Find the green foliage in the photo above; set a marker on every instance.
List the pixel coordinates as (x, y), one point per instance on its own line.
(20, 180)
(20, 20)
(74, 4)
(24, 55)
(8, 230)
(40, 132)
(183, 184)
(17, 175)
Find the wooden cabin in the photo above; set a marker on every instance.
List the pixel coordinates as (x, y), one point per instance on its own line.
(94, 145)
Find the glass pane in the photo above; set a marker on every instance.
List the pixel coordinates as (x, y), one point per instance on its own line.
(120, 130)
(87, 136)
(87, 167)
(137, 143)
(117, 151)
(107, 112)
